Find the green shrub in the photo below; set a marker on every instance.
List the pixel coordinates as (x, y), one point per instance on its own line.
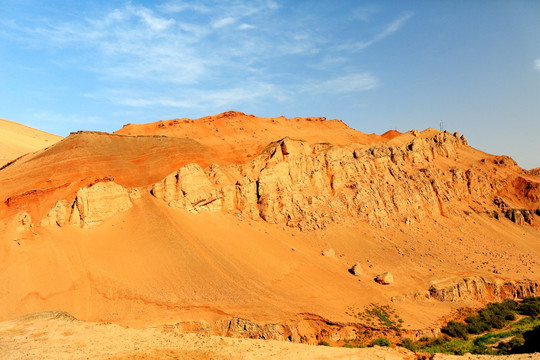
(382, 341)
(494, 315)
(323, 343)
(409, 344)
(438, 341)
(353, 345)
(455, 329)
(530, 306)
(516, 341)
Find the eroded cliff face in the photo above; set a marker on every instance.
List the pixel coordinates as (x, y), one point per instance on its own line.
(92, 205)
(481, 288)
(310, 185)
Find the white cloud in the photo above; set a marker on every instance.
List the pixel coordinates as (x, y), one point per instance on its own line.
(390, 29)
(247, 91)
(149, 56)
(223, 22)
(179, 6)
(537, 64)
(347, 84)
(246, 26)
(155, 23)
(272, 5)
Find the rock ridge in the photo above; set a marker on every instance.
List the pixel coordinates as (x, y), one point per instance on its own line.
(309, 186)
(484, 289)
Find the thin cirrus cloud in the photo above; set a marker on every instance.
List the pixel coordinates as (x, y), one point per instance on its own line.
(537, 64)
(390, 29)
(223, 22)
(197, 99)
(347, 84)
(172, 62)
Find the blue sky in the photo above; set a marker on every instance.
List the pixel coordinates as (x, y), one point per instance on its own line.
(377, 65)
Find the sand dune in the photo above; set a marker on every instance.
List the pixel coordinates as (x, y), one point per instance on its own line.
(17, 139)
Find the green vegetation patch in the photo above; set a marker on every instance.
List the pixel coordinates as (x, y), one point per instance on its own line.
(492, 330)
(377, 316)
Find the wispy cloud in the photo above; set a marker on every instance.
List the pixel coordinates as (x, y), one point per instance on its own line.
(223, 22)
(347, 84)
(157, 56)
(179, 6)
(537, 64)
(246, 26)
(390, 29)
(247, 91)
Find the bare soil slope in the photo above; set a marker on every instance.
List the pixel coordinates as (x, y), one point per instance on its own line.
(237, 137)
(17, 139)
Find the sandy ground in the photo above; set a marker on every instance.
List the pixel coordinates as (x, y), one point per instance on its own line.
(58, 336)
(17, 139)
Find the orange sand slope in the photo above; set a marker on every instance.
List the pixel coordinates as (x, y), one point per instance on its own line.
(34, 180)
(145, 229)
(236, 137)
(17, 139)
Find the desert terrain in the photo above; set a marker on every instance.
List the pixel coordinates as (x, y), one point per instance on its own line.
(187, 237)
(17, 139)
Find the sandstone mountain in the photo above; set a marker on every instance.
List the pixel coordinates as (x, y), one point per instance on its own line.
(219, 223)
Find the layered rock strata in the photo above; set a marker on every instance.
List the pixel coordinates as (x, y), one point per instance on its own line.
(310, 185)
(481, 288)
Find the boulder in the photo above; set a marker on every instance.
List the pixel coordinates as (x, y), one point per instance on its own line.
(330, 253)
(356, 270)
(385, 278)
(24, 222)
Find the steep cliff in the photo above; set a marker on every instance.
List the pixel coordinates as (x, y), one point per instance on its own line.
(310, 185)
(92, 205)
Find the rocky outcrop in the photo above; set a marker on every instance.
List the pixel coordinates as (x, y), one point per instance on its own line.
(483, 289)
(520, 216)
(310, 185)
(24, 222)
(306, 328)
(356, 270)
(190, 188)
(385, 278)
(101, 201)
(92, 205)
(329, 253)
